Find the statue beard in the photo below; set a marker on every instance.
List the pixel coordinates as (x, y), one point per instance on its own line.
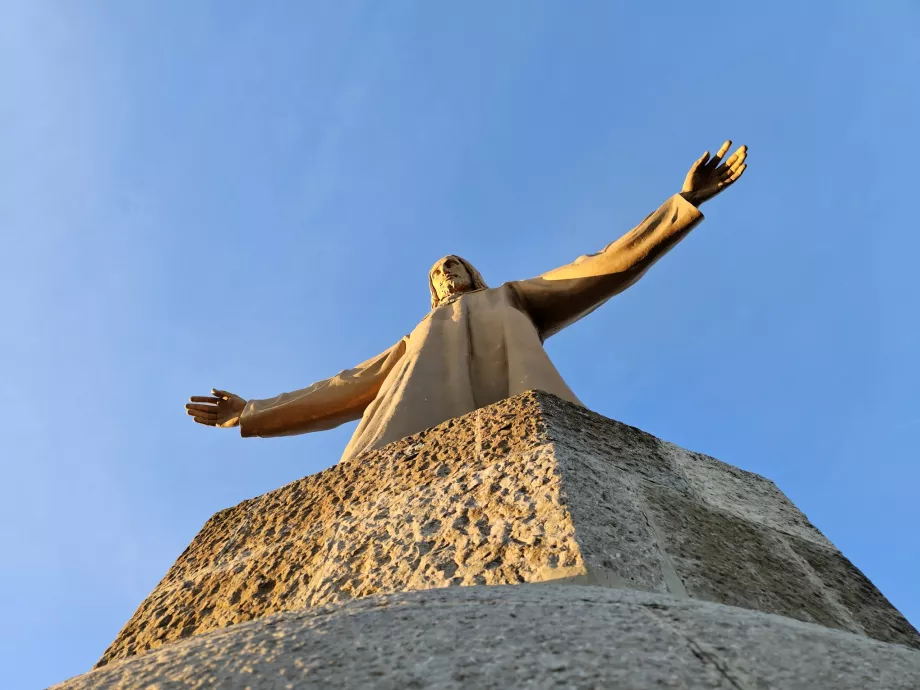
(456, 286)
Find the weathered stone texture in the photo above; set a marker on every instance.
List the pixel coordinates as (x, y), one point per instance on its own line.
(474, 501)
(524, 636)
(531, 489)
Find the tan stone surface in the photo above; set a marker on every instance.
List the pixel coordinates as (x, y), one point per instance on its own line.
(474, 501)
(531, 489)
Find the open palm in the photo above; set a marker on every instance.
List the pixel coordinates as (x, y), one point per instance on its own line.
(710, 176)
(221, 409)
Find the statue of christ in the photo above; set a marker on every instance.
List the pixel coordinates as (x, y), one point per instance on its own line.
(478, 344)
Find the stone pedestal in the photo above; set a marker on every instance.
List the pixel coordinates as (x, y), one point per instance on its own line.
(519, 636)
(529, 490)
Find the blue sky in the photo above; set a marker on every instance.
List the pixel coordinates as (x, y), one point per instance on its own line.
(249, 195)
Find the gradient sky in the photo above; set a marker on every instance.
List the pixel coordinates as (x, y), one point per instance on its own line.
(249, 195)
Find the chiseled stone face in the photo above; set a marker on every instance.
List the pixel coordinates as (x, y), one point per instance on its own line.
(531, 489)
(450, 277)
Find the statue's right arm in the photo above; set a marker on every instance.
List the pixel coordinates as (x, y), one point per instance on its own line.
(324, 405)
(560, 297)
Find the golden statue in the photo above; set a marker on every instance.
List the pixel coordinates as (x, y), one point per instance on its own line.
(478, 344)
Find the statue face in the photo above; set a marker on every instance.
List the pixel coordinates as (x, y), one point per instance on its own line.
(449, 277)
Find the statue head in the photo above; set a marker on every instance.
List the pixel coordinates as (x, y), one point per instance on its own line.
(450, 276)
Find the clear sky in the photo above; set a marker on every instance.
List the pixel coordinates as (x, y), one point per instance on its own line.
(249, 195)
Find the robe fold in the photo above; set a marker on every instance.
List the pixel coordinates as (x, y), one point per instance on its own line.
(472, 350)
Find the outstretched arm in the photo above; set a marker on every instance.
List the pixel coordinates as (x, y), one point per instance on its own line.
(324, 405)
(560, 297)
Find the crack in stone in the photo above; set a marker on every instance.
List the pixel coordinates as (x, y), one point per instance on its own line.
(706, 656)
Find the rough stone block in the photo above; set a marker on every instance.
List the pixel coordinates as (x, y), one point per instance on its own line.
(854, 592)
(531, 489)
(743, 494)
(721, 557)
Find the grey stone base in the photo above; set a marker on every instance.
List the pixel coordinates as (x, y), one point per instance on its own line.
(518, 636)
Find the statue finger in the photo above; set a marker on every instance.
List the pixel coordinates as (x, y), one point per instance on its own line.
(202, 415)
(730, 170)
(205, 422)
(701, 161)
(729, 162)
(736, 157)
(192, 407)
(719, 155)
(731, 179)
(740, 155)
(221, 394)
(204, 399)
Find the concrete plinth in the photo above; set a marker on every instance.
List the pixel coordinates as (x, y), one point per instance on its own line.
(519, 636)
(528, 490)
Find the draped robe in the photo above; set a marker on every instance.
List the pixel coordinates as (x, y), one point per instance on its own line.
(473, 349)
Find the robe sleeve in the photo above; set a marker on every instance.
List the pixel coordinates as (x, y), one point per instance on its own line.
(324, 405)
(561, 297)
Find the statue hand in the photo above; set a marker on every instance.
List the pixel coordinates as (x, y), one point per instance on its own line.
(223, 409)
(708, 176)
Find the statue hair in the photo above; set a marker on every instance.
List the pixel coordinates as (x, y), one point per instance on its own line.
(475, 278)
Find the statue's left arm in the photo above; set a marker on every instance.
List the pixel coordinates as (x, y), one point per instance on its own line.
(562, 296)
